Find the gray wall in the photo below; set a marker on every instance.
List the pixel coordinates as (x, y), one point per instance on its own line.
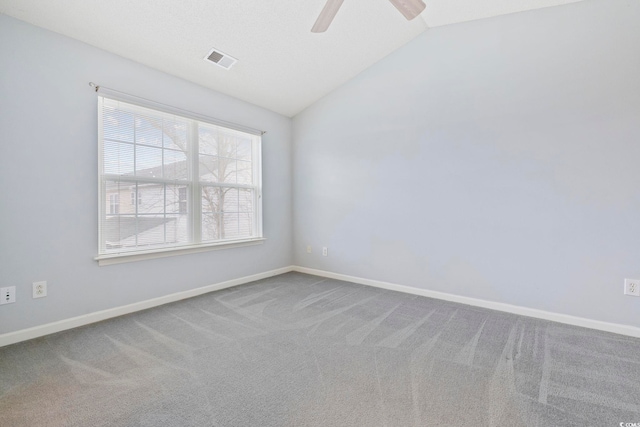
(48, 179)
(497, 159)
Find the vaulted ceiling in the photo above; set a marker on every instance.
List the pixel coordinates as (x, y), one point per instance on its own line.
(282, 65)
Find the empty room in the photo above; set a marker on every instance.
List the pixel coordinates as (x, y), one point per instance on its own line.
(320, 213)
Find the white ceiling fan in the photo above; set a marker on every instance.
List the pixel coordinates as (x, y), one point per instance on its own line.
(409, 8)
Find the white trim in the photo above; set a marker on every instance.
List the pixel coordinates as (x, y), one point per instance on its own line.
(85, 319)
(616, 328)
(122, 257)
(193, 242)
(74, 322)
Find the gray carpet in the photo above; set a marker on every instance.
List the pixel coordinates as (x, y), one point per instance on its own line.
(299, 350)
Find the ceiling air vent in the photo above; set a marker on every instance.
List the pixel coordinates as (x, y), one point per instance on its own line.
(220, 58)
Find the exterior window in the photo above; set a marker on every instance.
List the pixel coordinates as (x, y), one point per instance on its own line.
(114, 203)
(190, 183)
(133, 198)
(182, 200)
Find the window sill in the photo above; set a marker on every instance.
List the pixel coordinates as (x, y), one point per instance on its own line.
(122, 257)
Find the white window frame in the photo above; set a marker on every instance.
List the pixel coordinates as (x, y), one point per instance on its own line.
(120, 255)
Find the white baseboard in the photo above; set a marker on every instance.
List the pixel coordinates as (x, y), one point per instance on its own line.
(515, 309)
(74, 322)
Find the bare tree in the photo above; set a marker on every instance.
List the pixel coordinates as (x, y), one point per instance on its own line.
(219, 169)
(222, 173)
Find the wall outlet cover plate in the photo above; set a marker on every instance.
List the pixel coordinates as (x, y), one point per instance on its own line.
(39, 289)
(632, 287)
(8, 295)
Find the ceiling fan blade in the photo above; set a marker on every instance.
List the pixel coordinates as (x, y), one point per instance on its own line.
(409, 8)
(326, 16)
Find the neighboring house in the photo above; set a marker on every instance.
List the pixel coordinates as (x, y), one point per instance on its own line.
(137, 214)
(140, 213)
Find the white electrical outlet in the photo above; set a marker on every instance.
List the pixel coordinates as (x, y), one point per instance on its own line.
(325, 251)
(7, 295)
(632, 287)
(39, 289)
(308, 249)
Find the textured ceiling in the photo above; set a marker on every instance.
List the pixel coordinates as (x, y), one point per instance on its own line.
(282, 65)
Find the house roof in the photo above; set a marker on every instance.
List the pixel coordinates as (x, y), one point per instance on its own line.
(173, 171)
(119, 228)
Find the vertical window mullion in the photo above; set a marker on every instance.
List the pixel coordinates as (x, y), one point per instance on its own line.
(256, 162)
(102, 213)
(136, 219)
(136, 216)
(102, 190)
(164, 213)
(195, 203)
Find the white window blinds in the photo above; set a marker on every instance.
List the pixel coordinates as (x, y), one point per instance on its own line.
(172, 181)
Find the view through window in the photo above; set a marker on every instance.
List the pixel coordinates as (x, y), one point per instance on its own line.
(172, 181)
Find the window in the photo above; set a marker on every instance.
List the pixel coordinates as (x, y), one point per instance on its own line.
(114, 203)
(182, 199)
(191, 183)
(133, 198)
